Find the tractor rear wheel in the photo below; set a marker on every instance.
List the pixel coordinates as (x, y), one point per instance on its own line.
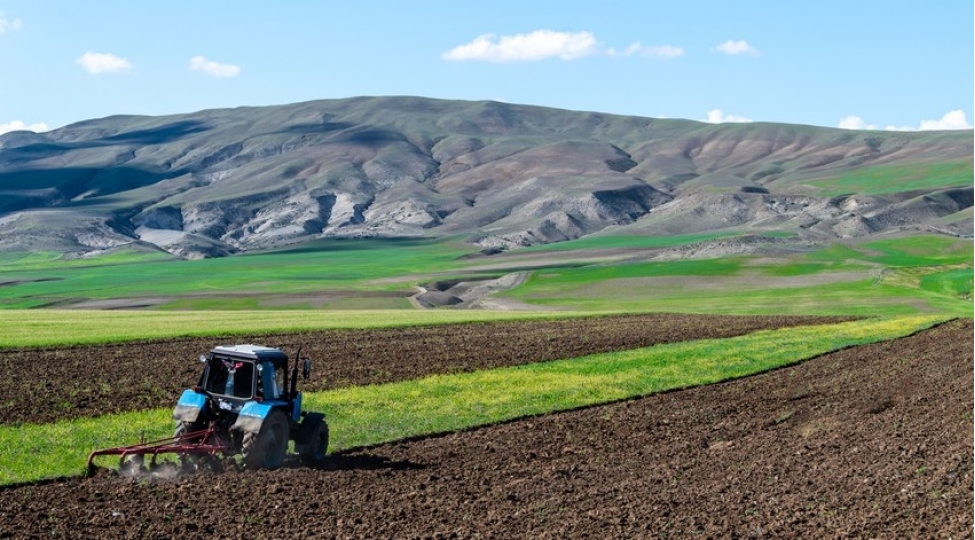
(267, 448)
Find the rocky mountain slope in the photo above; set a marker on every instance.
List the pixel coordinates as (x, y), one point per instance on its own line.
(500, 175)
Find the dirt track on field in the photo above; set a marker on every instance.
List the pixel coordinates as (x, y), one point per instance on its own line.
(43, 385)
(868, 442)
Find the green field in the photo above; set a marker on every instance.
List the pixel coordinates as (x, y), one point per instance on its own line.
(336, 265)
(26, 328)
(878, 180)
(367, 415)
(915, 274)
(922, 274)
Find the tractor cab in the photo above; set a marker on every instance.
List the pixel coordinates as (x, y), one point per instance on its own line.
(240, 373)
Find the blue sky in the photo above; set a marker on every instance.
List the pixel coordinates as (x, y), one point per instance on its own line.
(859, 64)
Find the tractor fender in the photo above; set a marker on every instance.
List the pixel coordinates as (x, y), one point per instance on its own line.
(189, 406)
(252, 416)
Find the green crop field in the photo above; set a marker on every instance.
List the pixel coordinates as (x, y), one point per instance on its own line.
(334, 265)
(631, 241)
(914, 274)
(368, 415)
(50, 260)
(921, 274)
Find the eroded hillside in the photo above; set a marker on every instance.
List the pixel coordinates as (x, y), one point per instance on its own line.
(217, 182)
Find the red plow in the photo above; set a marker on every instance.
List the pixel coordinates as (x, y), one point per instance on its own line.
(203, 443)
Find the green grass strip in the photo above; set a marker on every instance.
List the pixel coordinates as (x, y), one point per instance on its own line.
(367, 415)
(34, 328)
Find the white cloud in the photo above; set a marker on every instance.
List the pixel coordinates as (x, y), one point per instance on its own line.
(8, 24)
(736, 47)
(542, 44)
(664, 52)
(854, 122)
(716, 116)
(18, 125)
(96, 63)
(630, 50)
(952, 120)
(214, 69)
(537, 45)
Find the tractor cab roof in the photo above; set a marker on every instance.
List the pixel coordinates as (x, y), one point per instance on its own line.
(251, 352)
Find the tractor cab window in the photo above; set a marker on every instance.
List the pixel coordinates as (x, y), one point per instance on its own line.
(271, 382)
(230, 377)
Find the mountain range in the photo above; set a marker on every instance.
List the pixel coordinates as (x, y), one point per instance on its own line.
(498, 175)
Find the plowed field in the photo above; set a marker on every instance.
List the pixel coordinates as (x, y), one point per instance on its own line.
(43, 385)
(868, 442)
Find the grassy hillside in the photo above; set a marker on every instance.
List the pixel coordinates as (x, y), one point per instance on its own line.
(897, 178)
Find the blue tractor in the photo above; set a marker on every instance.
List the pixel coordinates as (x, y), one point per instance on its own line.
(246, 403)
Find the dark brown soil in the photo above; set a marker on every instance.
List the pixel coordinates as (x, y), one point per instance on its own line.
(868, 442)
(44, 385)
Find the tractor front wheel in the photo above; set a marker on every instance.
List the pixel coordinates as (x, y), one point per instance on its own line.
(183, 428)
(188, 462)
(315, 439)
(267, 448)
